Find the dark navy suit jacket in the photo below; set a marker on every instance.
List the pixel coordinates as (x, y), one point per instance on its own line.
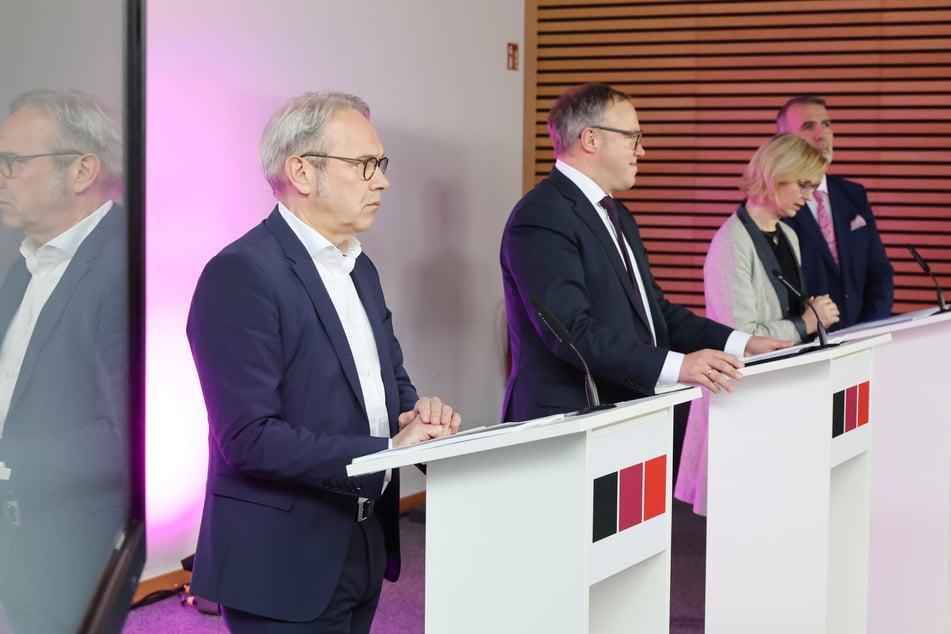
(556, 248)
(65, 436)
(286, 416)
(861, 285)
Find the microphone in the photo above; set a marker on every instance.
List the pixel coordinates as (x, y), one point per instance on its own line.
(942, 306)
(823, 337)
(590, 389)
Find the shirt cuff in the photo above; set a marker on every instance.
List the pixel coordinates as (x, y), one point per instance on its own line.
(736, 343)
(670, 373)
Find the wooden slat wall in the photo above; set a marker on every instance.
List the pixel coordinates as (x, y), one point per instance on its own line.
(707, 79)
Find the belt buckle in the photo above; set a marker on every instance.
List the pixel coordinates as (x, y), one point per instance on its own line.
(364, 510)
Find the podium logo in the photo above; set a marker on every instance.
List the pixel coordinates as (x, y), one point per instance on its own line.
(626, 498)
(849, 409)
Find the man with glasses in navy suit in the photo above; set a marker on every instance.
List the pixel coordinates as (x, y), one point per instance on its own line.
(301, 373)
(570, 245)
(64, 458)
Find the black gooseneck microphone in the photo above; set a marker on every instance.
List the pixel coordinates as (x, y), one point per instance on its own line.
(823, 337)
(942, 306)
(590, 389)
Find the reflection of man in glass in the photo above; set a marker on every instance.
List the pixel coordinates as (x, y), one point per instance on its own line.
(63, 477)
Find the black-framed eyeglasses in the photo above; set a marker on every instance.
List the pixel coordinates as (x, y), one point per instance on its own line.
(634, 135)
(9, 160)
(369, 164)
(806, 187)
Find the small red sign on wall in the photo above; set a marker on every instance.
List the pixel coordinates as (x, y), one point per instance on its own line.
(513, 56)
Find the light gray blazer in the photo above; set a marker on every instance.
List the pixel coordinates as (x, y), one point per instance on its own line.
(739, 286)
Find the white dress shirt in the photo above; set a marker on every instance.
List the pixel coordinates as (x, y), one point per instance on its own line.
(670, 372)
(334, 266)
(47, 263)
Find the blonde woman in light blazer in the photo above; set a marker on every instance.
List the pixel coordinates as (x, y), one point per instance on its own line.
(740, 288)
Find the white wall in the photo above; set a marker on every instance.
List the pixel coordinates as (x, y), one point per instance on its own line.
(38, 44)
(450, 117)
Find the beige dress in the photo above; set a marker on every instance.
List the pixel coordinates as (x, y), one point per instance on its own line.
(741, 292)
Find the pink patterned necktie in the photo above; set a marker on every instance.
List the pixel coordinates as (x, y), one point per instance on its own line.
(824, 218)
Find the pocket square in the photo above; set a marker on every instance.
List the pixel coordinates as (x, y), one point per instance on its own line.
(857, 223)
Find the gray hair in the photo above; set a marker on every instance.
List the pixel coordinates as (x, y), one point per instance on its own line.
(801, 100)
(577, 109)
(84, 123)
(298, 127)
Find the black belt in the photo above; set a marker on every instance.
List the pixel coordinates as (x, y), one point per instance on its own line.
(356, 509)
(360, 510)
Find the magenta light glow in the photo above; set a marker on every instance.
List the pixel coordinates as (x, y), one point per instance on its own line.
(203, 190)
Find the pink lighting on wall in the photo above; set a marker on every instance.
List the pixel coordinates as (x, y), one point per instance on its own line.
(204, 189)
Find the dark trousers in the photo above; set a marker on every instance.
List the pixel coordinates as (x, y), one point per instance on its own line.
(681, 412)
(354, 602)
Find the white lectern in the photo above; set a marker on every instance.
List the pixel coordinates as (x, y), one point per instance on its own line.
(788, 495)
(555, 525)
(910, 539)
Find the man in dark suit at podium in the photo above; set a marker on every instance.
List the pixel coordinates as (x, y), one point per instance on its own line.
(561, 246)
(301, 373)
(842, 252)
(63, 357)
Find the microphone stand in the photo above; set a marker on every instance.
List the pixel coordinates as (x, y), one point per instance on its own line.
(561, 334)
(820, 329)
(942, 306)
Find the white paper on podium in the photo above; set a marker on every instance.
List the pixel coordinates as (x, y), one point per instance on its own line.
(846, 334)
(778, 354)
(504, 434)
(853, 331)
(469, 434)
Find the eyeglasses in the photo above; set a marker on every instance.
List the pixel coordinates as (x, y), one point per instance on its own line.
(634, 135)
(9, 160)
(369, 164)
(806, 187)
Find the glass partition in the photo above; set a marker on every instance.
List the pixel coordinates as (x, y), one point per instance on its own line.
(71, 278)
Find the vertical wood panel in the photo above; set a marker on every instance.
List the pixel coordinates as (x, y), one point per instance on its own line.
(707, 79)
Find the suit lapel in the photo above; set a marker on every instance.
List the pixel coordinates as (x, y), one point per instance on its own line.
(633, 235)
(589, 215)
(365, 289)
(306, 272)
(11, 294)
(68, 286)
(766, 256)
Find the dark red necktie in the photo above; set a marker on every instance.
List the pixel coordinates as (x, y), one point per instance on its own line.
(608, 203)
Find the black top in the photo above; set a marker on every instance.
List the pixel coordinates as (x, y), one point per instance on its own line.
(787, 266)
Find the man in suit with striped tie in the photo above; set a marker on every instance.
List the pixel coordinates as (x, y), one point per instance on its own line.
(842, 252)
(575, 248)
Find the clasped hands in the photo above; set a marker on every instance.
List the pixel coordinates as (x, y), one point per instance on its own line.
(429, 418)
(826, 310)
